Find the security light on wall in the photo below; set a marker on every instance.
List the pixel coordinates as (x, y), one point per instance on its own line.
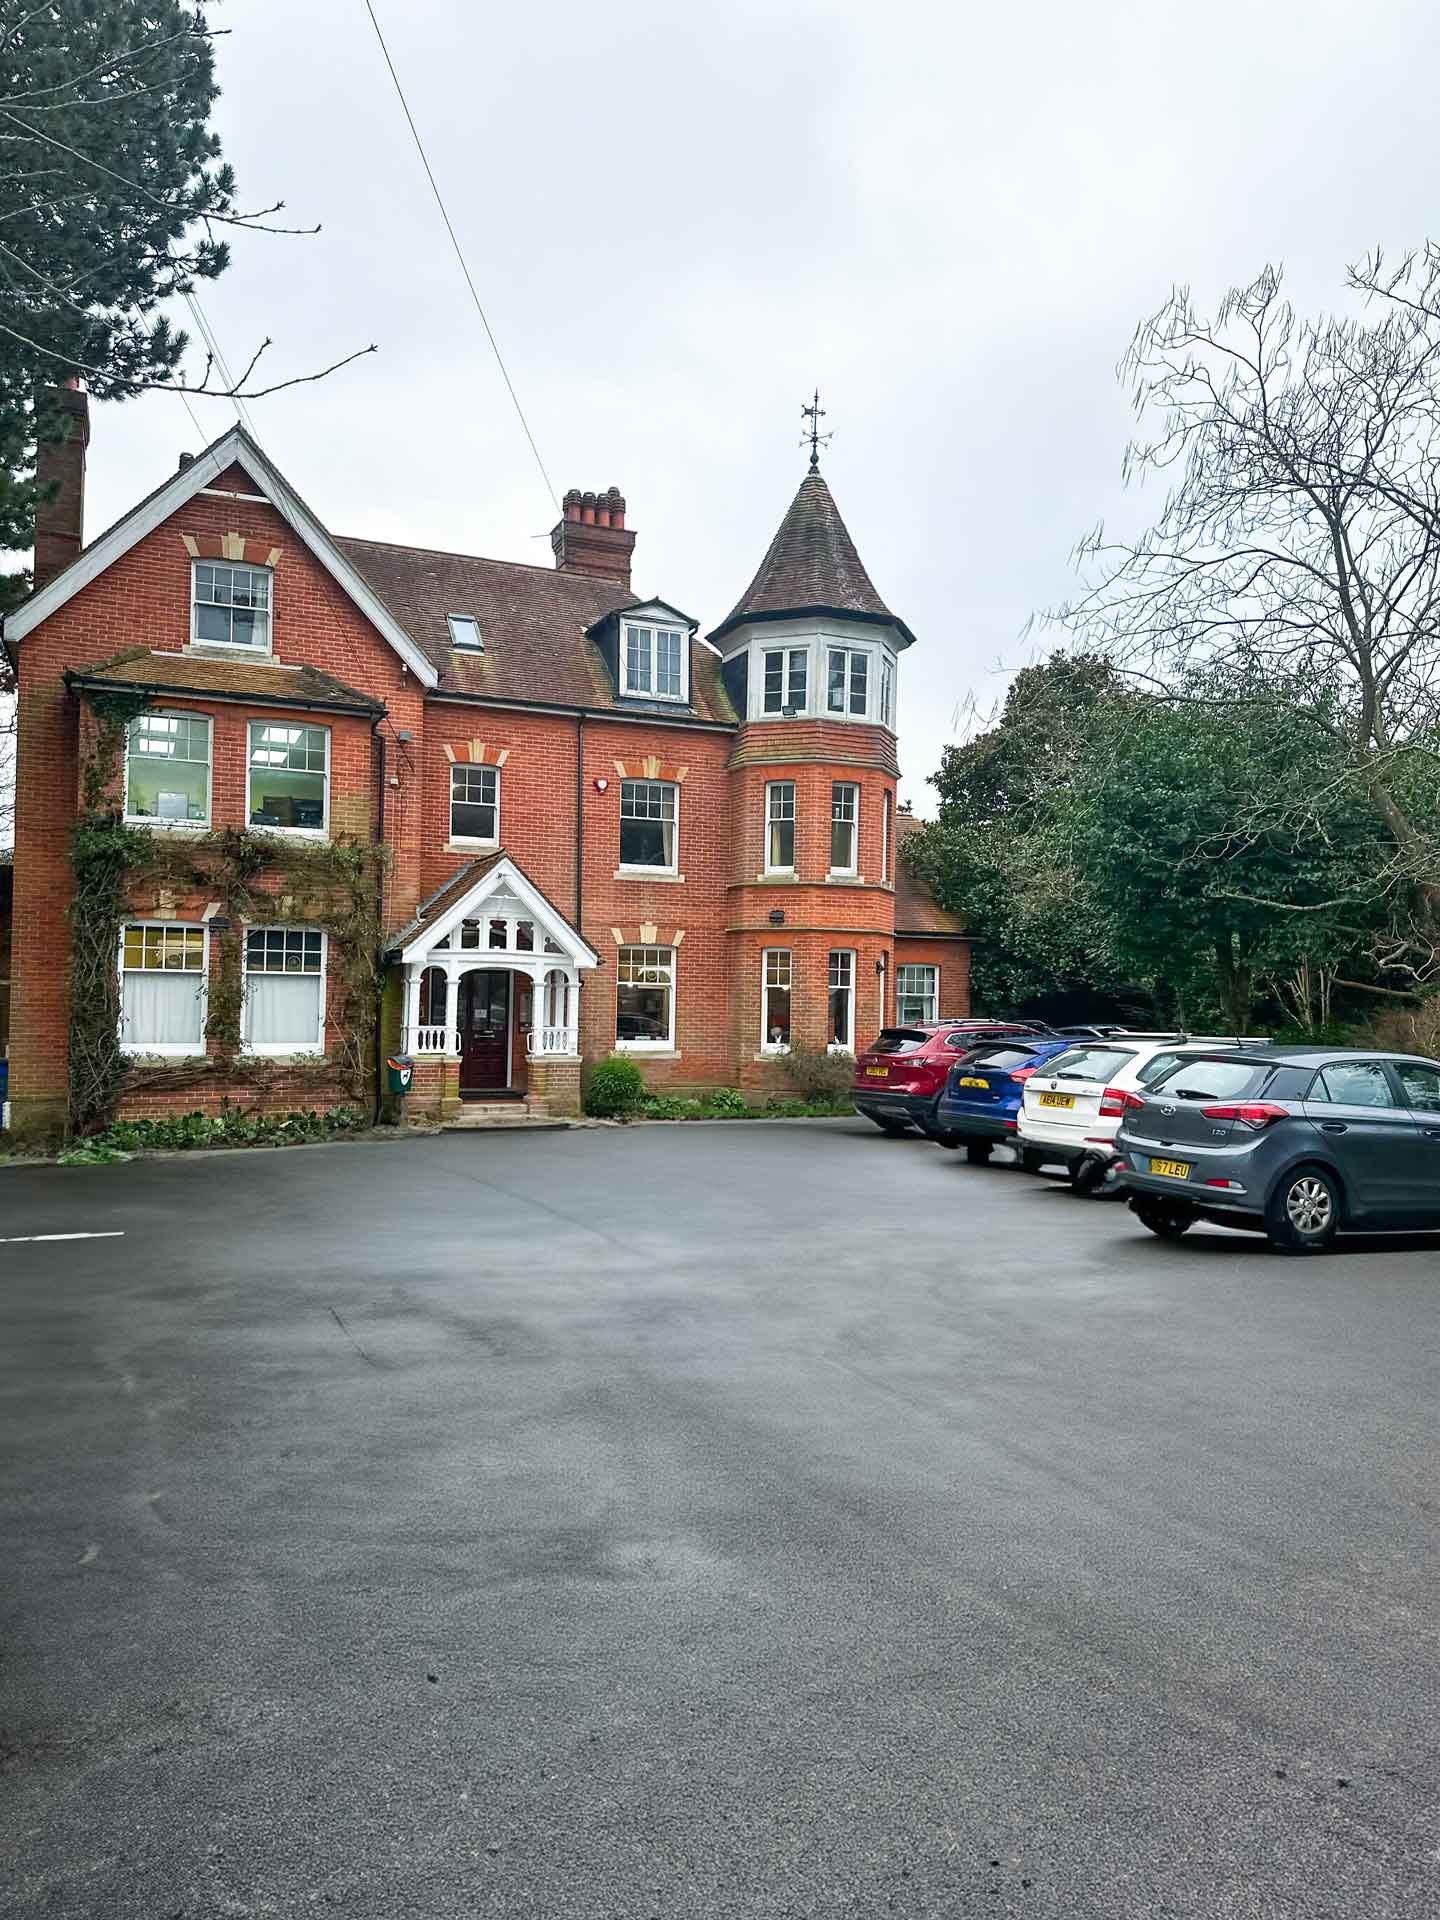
(777, 916)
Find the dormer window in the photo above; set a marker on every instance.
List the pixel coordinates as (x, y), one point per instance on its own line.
(232, 606)
(652, 662)
(465, 635)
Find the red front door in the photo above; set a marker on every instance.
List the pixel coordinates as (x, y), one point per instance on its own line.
(485, 1032)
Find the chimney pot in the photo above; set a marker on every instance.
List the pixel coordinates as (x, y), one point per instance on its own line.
(186, 460)
(592, 538)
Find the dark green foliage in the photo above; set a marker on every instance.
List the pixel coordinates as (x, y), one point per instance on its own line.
(113, 192)
(819, 1075)
(616, 1088)
(231, 1127)
(1179, 857)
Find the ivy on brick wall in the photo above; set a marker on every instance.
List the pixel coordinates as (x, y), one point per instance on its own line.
(258, 879)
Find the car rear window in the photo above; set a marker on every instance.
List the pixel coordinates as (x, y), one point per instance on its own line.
(1090, 1063)
(901, 1040)
(1213, 1080)
(999, 1057)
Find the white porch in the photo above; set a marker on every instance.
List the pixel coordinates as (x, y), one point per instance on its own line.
(489, 918)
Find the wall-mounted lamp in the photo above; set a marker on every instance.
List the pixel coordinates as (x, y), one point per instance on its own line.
(405, 735)
(777, 916)
(881, 964)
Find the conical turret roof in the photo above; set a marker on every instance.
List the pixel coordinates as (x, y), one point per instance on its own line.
(812, 567)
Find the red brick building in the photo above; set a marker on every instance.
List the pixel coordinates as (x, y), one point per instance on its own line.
(601, 831)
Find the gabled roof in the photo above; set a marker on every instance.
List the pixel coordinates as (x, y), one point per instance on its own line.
(536, 623)
(256, 682)
(231, 449)
(812, 567)
(461, 897)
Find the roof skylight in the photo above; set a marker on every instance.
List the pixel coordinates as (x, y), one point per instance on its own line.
(465, 633)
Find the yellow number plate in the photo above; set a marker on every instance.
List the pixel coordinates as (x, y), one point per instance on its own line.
(1057, 1099)
(1172, 1169)
(967, 1081)
(880, 1073)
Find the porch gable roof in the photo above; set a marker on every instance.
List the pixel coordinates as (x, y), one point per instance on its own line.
(465, 893)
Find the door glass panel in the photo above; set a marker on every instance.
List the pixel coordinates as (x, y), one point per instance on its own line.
(1421, 1084)
(1357, 1083)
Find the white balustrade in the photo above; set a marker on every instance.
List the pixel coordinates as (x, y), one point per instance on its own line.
(432, 1040)
(552, 1040)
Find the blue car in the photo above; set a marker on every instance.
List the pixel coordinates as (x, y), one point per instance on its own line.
(980, 1103)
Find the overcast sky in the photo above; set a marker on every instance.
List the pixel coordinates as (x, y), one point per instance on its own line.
(680, 219)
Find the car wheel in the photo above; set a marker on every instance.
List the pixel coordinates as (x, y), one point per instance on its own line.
(1087, 1176)
(1167, 1218)
(1304, 1211)
(1032, 1161)
(889, 1126)
(978, 1152)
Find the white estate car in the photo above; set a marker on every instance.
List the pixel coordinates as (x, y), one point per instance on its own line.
(1074, 1103)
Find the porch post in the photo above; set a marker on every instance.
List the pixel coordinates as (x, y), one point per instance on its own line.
(412, 1007)
(452, 1006)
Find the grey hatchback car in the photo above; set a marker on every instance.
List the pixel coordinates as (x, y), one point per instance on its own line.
(1299, 1143)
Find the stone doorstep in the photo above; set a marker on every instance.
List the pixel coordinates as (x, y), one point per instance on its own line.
(531, 1111)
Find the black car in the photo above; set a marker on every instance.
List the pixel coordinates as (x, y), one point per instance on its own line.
(1299, 1143)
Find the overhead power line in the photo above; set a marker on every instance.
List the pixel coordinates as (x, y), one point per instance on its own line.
(459, 255)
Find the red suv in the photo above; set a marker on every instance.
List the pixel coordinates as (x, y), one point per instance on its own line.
(899, 1079)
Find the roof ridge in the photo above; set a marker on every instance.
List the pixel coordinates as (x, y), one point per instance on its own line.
(487, 559)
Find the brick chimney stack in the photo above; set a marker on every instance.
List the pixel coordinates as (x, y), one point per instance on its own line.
(60, 465)
(593, 538)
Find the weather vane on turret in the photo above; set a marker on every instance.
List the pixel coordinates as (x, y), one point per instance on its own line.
(815, 413)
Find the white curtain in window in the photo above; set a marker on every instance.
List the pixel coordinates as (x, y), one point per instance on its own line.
(282, 1010)
(161, 1010)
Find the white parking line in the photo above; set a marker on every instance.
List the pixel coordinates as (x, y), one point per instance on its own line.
(16, 1239)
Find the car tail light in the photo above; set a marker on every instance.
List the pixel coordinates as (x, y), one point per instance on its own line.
(1116, 1102)
(1022, 1073)
(1251, 1113)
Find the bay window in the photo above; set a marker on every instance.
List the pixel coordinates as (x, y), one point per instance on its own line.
(167, 769)
(775, 1000)
(645, 998)
(842, 1002)
(848, 681)
(887, 691)
(162, 989)
(917, 993)
(648, 811)
(231, 606)
(780, 826)
(844, 826)
(284, 991)
(786, 679)
(289, 777)
(475, 803)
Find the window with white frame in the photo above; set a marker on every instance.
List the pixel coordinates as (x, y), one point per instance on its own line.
(475, 803)
(652, 661)
(780, 826)
(786, 679)
(232, 605)
(775, 1000)
(465, 632)
(167, 769)
(842, 1001)
(162, 989)
(645, 998)
(289, 777)
(847, 681)
(284, 1003)
(917, 993)
(648, 810)
(887, 691)
(886, 808)
(844, 826)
